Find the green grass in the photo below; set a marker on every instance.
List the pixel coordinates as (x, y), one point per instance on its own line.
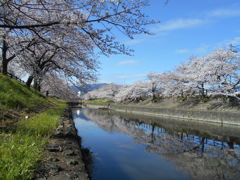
(16, 96)
(99, 101)
(22, 149)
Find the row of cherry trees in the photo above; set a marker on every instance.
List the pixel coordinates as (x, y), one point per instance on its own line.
(49, 39)
(215, 74)
(120, 93)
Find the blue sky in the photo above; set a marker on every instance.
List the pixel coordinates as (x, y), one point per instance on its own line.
(187, 28)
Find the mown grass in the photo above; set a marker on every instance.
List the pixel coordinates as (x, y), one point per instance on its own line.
(22, 149)
(16, 96)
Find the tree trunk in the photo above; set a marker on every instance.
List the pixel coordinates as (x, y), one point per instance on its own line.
(29, 81)
(202, 90)
(39, 87)
(36, 84)
(153, 97)
(153, 92)
(4, 57)
(5, 67)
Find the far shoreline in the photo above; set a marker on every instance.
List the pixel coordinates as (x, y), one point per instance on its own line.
(222, 117)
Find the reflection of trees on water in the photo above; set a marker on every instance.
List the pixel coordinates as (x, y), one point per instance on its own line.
(198, 156)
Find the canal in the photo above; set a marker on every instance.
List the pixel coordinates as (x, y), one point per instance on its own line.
(126, 147)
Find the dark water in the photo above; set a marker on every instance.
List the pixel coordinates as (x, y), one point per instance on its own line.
(134, 147)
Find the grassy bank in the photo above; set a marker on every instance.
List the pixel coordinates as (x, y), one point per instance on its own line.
(22, 141)
(17, 100)
(22, 148)
(213, 103)
(16, 96)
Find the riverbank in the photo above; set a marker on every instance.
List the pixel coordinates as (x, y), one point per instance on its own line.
(18, 101)
(22, 144)
(219, 117)
(28, 121)
(63, 157)
(218, 132)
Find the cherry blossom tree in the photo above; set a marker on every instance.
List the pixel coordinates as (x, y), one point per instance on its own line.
(50, 85)
(216, 73)
(92, 19)
(119, 93)
(106, 92)
(67, 60)
(155, 85)
(168, 83)
(11, 46)
(223, 68)
(133, 92)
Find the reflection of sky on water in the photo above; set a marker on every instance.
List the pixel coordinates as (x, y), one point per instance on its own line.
(125, 149)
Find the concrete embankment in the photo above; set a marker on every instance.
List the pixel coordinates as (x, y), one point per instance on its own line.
(63, 157)
(220, 117)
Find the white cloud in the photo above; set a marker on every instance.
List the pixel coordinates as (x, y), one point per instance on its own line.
(224, 13)
(163, 29)
(186, 23)
(206, 48)
(201, 50)
(197, 51)
(178, 24)
(127, 62)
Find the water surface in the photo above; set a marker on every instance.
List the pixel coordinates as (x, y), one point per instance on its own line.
(137, 147)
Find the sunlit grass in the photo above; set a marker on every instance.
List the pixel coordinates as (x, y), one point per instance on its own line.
(99, 101)
(21, 150)
(15, 95)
